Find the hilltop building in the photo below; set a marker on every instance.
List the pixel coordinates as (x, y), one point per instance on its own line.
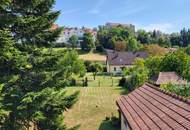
(111, 25)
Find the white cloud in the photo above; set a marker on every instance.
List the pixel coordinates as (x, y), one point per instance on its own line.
(70, 11)
(132, 11)
(96, 8)
(164, 27)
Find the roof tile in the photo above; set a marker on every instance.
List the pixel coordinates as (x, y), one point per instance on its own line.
(149, 107)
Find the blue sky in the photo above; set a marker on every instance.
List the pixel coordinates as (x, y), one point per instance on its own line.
(165, 15)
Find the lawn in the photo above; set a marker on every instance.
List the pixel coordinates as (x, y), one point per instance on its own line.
(94, 104)
(93, 57)
(86, 56)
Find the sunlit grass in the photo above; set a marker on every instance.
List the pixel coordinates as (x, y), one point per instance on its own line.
(95, 104)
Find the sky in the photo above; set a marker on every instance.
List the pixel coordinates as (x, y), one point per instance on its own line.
(164, 15)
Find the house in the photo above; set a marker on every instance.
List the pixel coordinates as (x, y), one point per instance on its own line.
(67, 33)
(150, 108)
(116, 61)
(169, 77)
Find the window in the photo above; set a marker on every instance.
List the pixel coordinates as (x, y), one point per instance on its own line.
(115, 69)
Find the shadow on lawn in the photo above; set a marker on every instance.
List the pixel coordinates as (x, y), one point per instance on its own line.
(124, 91)
(107, 125)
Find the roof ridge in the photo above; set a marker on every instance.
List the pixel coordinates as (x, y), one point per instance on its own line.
(180, 98)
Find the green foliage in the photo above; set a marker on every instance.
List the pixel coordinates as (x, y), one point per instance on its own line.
(33, 79)
(88, 42)
(132, 44)
(30, 21)
(154, 65)
(136, 75)
(96, 68)
(155, 50)
(187, 50)
(73, 40)
(177, 61)
(110, 37)
(182, 90)
(143, 37)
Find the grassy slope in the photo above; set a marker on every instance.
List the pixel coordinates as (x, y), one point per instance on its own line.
(86, 56)
(94, 104)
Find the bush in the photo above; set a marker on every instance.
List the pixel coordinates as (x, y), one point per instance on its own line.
(59, 45)
(122, 82)
(99, 48)
(182, 90)
(73, 82)
(115, 121)
(87, 65)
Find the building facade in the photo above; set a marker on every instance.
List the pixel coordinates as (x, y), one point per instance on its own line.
(79, 32)
(117, 61)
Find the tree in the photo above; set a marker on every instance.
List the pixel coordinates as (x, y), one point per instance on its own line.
(96, 68)
(164, 41)
(154, 65)
(108, 37)
(74, 41)
(30, 21)
(88, 42)
(132, 44)
(143, 37)
(120, 46)
(155, 50)
(137, 75)
(33, 79)
(177, 61)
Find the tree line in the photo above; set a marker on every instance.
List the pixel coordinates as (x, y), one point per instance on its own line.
(124, 39)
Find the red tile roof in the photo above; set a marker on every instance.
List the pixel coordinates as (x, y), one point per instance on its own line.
(150, 108)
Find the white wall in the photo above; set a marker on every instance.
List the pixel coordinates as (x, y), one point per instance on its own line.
(115, 68)
(65, 35)
(124, 124)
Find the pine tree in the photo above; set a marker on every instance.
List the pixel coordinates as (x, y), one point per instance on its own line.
(33, 79)
(30, 21)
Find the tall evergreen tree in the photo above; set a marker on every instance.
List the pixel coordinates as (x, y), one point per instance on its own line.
(30, 21)
(33, 79)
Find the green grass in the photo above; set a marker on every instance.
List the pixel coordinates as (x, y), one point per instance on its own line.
(86, 56)
(94, 104)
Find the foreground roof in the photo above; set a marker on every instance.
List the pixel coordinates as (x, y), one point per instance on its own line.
(149, 107)
(124, 58)
(169, 77)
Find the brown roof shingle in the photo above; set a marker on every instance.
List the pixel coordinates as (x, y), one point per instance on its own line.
(124, 58)
(150, 108)
(169, 77)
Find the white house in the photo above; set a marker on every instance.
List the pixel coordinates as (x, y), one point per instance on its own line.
(116, 61)
(79, 32)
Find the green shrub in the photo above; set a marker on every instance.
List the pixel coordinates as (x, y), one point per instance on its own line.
(182, 90)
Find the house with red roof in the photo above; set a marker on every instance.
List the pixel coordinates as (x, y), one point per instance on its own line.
(150, 108)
